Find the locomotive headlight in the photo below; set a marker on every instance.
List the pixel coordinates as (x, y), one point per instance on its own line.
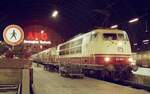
(130, 60)
(133, 63)
(107, 59)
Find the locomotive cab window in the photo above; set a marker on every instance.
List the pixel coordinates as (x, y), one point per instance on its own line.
(122, 37)
(94, 36)
(110, 36)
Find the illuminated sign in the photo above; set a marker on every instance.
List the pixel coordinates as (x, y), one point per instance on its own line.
(37, 36)
(37, 42)
(13, 35)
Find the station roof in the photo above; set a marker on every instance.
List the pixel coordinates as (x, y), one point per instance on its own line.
(80, 16)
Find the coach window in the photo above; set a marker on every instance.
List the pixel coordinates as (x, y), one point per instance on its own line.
(71, 44)
(67, 46)
(67, 52)
(78, 50)
(79, 42)
(71, 51)
(62, 47)
(60, 53)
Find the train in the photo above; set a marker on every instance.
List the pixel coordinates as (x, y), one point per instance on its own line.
(142, 58)
(105, 53)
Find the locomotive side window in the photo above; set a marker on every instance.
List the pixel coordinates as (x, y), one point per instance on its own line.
(126, 38)
(94, 36)
(122, 37)
(110, 36)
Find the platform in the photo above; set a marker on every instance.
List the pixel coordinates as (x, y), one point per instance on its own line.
(52, 83)
(143, 75)
(143, 71)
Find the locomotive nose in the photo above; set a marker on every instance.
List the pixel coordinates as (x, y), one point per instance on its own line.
(133, 64)
(131, 60)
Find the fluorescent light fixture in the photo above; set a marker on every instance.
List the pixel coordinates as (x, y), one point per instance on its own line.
(146, 30)
(134, 20)
(114, 26)
(145, 40)
(146, 43)
(135, 44)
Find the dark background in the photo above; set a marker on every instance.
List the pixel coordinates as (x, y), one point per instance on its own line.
(80, 16)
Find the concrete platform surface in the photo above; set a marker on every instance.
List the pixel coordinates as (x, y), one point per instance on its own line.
(52, 83)
(143, 71)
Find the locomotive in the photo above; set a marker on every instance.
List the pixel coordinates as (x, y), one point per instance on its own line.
(105, 53)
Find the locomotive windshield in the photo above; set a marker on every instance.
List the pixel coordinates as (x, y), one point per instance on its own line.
(110, 36)
(114, 36)
(121, 37)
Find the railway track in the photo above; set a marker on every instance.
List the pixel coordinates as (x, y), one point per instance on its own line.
(133, 85)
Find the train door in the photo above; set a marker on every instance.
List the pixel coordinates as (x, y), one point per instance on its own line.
(91, 43)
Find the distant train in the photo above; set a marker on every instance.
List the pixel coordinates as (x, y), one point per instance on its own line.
(142, 58)
(105, 53)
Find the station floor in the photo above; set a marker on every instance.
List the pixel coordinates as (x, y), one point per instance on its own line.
(52, 83)
(143, 71)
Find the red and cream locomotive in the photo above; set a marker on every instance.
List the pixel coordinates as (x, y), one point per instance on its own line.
(105, 53)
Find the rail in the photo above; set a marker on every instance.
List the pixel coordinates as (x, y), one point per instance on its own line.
(134, 85)
(129, 83)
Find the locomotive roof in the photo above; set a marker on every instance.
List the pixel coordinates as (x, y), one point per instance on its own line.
(80, 36)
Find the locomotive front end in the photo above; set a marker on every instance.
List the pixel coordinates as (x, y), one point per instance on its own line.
(115, 55)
